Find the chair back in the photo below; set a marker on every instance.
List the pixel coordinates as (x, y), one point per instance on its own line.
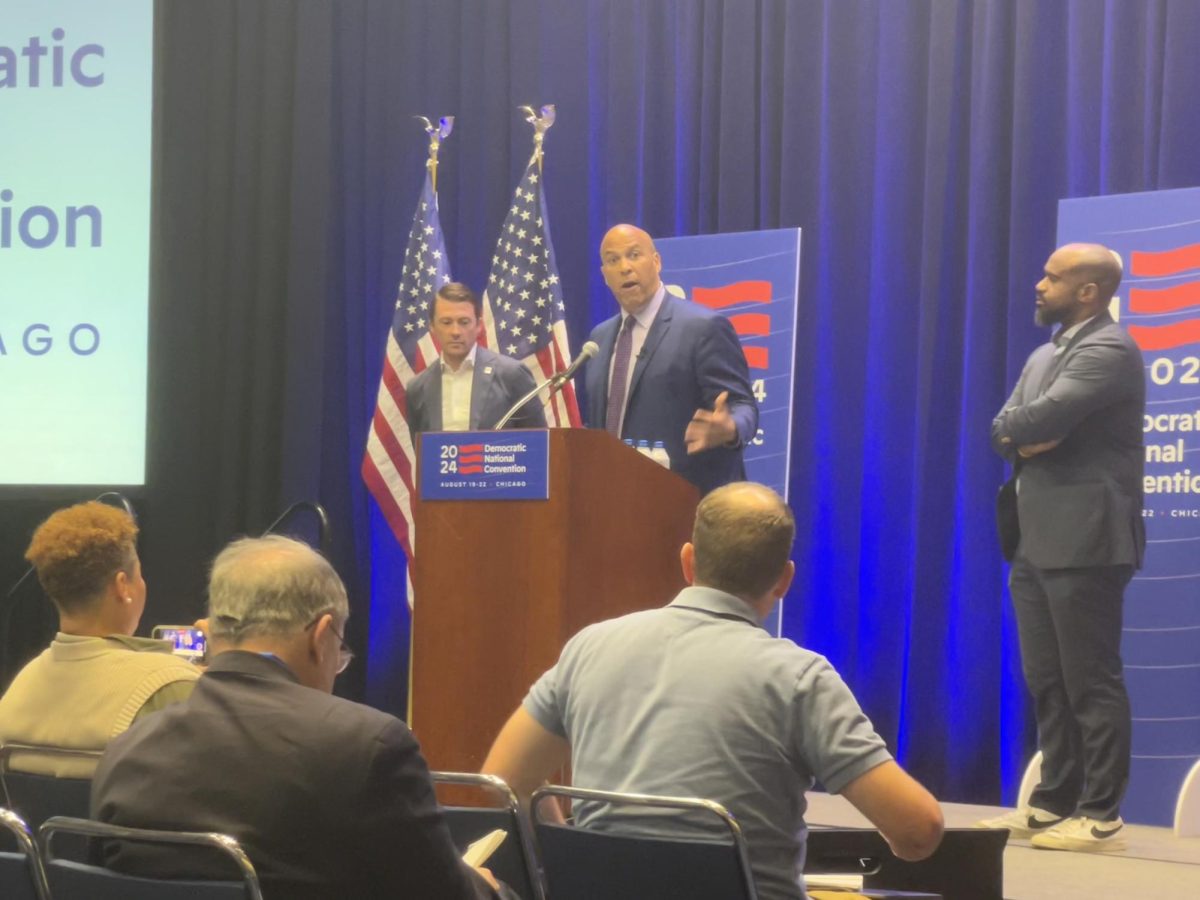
(515, 861)
(844, 851)
(35, 798)
(586, 864)
(21, 874)
(38, 797)
(70, 879)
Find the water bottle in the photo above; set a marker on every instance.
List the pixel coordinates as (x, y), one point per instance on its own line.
(658, 453)
(643, 447)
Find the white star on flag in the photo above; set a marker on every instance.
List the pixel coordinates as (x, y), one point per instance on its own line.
(524, 278)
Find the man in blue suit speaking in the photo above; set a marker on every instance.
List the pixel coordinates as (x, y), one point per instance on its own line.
(668, 370)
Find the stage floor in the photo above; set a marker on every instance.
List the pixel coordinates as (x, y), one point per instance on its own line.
(1156, 864)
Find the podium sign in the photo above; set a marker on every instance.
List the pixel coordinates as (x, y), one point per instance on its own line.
(485, 465)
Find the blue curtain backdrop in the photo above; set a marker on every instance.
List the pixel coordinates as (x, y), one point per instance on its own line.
(922, 146)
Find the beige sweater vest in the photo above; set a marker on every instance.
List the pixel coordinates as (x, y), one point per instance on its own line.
(80, 693)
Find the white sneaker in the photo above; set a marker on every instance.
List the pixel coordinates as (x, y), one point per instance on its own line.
(1023, 822)
(1082, 834)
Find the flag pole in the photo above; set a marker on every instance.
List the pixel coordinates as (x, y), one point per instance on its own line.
(541, 124)
(437, 133)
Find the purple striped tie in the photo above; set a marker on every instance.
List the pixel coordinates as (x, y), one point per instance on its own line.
(620, 373)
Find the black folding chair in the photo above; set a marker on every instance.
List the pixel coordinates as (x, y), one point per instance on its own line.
(70, 879)
(21, 874)
(38, 797)
(585, 864)
(844, 851)
(515, 861)
(35, 798)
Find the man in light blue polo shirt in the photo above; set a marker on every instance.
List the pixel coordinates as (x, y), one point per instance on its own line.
(696, 699)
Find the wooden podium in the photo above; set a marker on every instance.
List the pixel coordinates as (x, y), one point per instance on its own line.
(501, 585)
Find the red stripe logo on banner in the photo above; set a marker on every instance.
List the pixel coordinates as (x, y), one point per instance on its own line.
(1149, 301)
(751, 323)
(1166, 337)
(745, 324)
(1165, 300)
(733, 294)
(1166, 262)
(757, 357)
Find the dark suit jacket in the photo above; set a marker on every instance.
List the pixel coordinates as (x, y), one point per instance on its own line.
(498, 383)
(1079, 504)
(690, 356)
(330, 799)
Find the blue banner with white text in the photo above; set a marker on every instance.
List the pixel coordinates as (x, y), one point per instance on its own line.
(753, 278)
(1157, 235)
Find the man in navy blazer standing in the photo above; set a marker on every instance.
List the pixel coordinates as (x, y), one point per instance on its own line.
(469, 387)
(668, 370)
(1071, 523)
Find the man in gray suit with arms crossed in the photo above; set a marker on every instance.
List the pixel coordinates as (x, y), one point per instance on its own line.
(1071, 523)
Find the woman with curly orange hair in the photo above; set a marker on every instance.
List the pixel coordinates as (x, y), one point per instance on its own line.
(95, 679)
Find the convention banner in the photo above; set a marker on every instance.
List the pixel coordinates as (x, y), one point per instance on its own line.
(485, 465)
(75, 91)
(1157, 235)
(753, 278)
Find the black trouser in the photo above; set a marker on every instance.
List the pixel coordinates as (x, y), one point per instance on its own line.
(1069, 622)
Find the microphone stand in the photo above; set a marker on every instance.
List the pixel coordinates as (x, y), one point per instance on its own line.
(555, 383)
(323, 531)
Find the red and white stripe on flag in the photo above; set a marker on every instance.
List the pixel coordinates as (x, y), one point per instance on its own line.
(389, 463)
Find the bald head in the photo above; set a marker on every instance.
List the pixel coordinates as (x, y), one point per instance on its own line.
(742, 540)
(630, 266)
(1095, 264)
(626, 232)
(1079, 281)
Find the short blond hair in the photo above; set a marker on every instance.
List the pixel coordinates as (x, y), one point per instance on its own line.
(79, 549)
(742, 539)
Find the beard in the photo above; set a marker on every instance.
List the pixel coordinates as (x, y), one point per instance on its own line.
(1046, 316)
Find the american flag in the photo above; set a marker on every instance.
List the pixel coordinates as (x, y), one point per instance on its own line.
(523, 305)
(388, 464)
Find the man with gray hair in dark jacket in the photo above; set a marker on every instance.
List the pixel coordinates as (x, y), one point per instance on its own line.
(329, 798)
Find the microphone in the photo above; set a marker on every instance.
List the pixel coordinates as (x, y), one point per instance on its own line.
(555, 382)
(586, 352)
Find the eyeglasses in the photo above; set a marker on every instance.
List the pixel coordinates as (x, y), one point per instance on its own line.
(345, 654)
